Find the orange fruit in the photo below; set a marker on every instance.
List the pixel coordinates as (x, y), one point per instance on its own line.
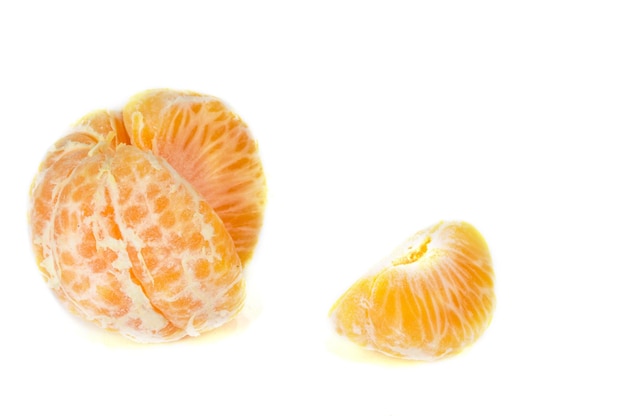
(430, 298)
(128, 242)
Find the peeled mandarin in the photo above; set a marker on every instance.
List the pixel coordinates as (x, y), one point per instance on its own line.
(126, 241)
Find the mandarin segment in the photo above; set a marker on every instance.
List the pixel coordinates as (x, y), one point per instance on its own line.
(53, 176)
(125, 241)
(430, 298)
(102, 123)
(92, 267)
(211, 147)
(164, 253)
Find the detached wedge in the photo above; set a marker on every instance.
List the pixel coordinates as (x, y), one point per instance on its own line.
(430, 298)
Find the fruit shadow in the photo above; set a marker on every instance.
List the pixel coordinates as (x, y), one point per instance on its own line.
(348, 351)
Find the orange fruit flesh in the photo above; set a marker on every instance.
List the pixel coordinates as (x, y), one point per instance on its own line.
(430, 298)
(61, 160)
(218, 156)
(127, 242)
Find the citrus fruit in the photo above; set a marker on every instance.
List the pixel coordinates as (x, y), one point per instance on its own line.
(430, 298)
(127, 241)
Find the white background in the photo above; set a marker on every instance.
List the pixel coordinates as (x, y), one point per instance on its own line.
(374, 120)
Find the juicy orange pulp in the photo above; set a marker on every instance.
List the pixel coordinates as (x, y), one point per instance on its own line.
(430, 298)
(217, 156)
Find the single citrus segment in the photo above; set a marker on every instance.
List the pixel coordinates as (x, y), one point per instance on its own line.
(124, 240)
(211, 147)
(430, 298)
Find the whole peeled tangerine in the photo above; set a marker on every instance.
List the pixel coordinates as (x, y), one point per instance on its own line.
(142, 219)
